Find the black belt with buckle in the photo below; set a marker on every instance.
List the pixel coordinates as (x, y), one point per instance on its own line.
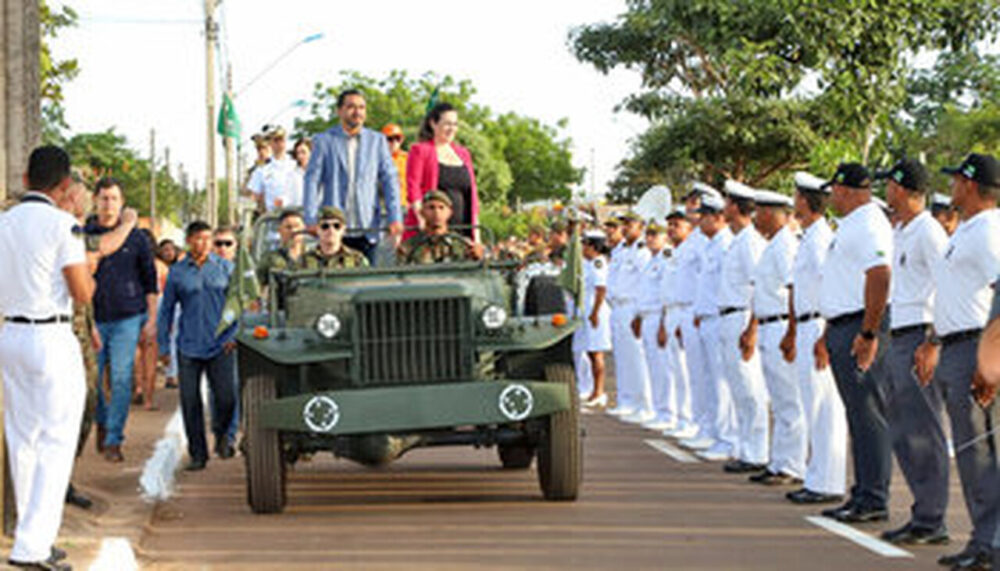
(808, 317)
(959, 336)
(43, 321)
(900, 331)
(727, 310)
(772, 319)
(844, 318)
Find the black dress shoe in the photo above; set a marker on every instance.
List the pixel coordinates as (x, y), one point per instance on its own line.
(741, 467)
(842, 508)
(983, 561)
(863, 514)
(195, 465)
(56, 554)
(912, 534)
(807, 496)
(73, 497)
(223, 448)
(49, 564)
(970, 550)
(769, 478)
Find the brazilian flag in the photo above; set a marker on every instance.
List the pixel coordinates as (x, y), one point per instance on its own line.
(243, 289)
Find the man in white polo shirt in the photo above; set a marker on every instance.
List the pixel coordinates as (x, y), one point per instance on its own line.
(853, 296)
(964, 280)
(771, 277)
(914, 412)
(826, 470)
(45, 270)
(741, 368)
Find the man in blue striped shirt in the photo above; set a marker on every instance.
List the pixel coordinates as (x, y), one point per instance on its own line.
(198, 283)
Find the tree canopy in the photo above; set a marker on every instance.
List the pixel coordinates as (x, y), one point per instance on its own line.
(749, 90)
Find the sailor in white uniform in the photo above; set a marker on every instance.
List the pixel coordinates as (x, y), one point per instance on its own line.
(45, 270)
(596, 313)
(652, 326)
(740, 360)
(826, 469)
(679, 295)
(770, 305)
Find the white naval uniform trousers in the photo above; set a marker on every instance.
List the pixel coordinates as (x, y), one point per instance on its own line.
(683, 293)
(677, 316)
(651, 304)
(630, 360)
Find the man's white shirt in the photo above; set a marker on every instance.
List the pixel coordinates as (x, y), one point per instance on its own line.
(736, 289)
(964, 275)
(807, 269)
(709, 279)
(917, 247)
(773, 273)
(863, 241)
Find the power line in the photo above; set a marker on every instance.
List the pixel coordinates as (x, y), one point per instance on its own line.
(143, 21)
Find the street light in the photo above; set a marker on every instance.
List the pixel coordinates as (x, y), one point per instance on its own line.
(306, 40)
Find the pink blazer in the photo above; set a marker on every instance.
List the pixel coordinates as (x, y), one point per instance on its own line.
(422, 176)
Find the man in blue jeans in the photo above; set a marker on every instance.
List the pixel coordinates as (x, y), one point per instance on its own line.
(125, 297)
(198, 283)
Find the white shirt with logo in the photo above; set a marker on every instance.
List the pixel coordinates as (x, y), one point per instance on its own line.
(964, 275)
(863, 241)
(917, 247)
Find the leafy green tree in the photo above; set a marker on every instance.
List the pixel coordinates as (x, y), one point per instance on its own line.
(540, 162)
(54, 73)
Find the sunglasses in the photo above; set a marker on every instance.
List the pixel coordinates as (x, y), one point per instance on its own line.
(224, 243)
(395, 139)
(328, 225)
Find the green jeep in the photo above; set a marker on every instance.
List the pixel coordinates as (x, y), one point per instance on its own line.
(368, 363)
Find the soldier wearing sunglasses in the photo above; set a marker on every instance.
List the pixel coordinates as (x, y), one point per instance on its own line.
(331, 252)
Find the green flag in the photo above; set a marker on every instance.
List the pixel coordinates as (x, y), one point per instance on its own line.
(229, 122)
(434, 99)
(571, 278)
(243, 289)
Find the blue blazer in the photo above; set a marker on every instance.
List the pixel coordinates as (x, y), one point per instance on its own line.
(326, 178)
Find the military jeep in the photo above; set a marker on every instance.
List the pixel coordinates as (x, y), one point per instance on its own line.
(369, 363)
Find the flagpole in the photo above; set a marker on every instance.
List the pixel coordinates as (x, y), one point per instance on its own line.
(231, 183)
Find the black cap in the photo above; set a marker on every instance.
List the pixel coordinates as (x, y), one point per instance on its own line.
(854, 175)
(909, 174)
(984, 169)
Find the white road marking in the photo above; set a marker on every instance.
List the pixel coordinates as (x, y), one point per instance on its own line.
(863, 539)
(157, 479)
(115, 555)
(672, 451)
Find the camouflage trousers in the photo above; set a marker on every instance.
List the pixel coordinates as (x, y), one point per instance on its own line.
(90, 404)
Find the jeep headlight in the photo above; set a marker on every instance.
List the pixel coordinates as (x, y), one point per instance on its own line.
(328, 325)
(494, 317)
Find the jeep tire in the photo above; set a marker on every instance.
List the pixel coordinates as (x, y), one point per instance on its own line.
(560, 451)
(265, 467)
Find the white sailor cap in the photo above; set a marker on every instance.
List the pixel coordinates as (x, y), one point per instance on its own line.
(594, 235)
(940, 201)
(810, 183)
(771, 198)
(700, 189)
(711, 204)
(677, 212)
(739, 190)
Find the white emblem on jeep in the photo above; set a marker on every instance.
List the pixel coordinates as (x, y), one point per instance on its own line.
(516, 402)
(321, 413)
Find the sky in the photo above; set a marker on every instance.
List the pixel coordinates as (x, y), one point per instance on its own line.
(143, 66)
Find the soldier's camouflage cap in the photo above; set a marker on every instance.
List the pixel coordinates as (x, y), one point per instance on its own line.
(438, 196)
(332, 213)
(629, 216)
(655, 228)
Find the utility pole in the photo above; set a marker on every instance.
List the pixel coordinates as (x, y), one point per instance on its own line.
(211, 34)
(231, 191)
(593, 173)
(152, 179)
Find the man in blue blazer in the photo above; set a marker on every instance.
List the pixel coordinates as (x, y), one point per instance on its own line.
(348, 167)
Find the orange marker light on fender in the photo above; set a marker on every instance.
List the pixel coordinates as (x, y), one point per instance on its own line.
(558, 320)
(260, 332)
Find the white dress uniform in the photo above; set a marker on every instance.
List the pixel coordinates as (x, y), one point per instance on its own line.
(630, 362)
(770, 306)
(581, 363)
(745, 378)
(826, 470)
(720, 420)
(652, 303)
(274, 181)
(43, 376)
(595, 275)
(688, 259)
(677, 312)
(964, 279)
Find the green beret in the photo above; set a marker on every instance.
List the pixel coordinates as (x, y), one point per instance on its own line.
(332, 213)
(439, 196)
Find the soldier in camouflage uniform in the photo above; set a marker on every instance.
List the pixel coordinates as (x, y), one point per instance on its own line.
(538, 252)
(331, 252)
(436, 243)
(288, 256)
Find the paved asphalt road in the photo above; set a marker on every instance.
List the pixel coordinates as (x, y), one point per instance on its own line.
(456, 508)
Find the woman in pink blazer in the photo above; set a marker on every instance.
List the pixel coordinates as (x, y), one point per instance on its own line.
(437, 162)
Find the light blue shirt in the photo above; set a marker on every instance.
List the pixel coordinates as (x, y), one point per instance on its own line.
(327, 179)
(201, 293)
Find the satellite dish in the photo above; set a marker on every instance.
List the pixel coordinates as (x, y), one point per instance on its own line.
(654, 204)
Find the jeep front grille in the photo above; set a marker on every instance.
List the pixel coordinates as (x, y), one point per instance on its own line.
(416, 341)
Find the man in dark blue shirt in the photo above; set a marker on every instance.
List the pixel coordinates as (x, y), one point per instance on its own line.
(198, 283)
(124, 311)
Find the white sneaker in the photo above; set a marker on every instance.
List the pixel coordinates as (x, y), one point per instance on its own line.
(599, 402)
(681, 433)
(639, 417)
(659, 425)
(698, 442)
(620, 411)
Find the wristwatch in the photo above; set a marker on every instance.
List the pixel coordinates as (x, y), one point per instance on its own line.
(867, 334)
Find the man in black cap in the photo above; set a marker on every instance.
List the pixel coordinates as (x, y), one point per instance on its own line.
(914, 410)
(854, 291)
(964, 280)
